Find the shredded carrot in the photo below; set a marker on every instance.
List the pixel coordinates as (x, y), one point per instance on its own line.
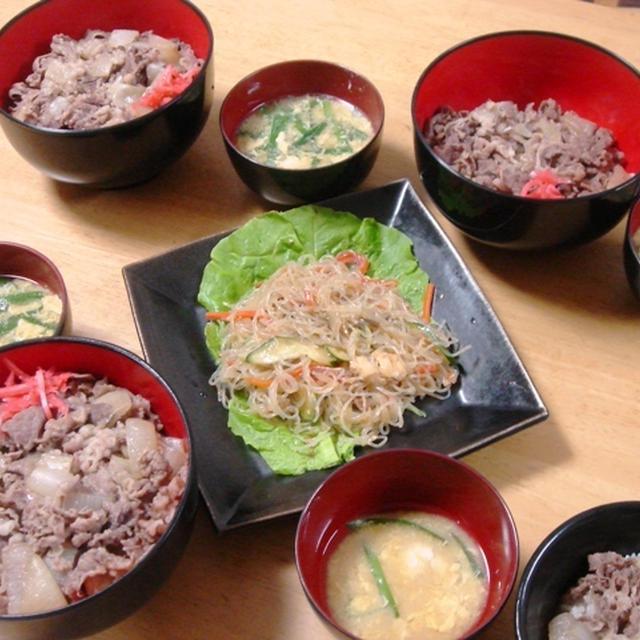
(354, 260)
(427, 302)
(425, 367)
(263, 383)
(238, 314)
(42, 388)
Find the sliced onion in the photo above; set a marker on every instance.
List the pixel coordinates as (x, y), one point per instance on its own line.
(141, 436)
(169, 52)
(30, 584)
(51, 476)
(122, 37)
(175, 452)
(120, 402)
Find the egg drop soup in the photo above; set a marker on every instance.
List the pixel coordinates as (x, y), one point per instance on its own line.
(27, 310)
(303, 132)
(407, 576)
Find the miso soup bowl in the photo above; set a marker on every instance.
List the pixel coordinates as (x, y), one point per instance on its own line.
(20, 261)
(123, 154)
(298, 78)
(524, 67)
(406, 479)
(129, 592)
(561, 559)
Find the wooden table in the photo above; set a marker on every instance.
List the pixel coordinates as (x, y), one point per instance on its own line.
(569, 313)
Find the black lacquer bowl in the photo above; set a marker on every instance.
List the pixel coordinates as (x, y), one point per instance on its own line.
(561, 559)
(122, 597)
(297, 78)
(631, 250)
(122, 154)
(529, 66)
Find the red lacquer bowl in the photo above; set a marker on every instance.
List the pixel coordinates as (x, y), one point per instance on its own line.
(129, 592)
(412, 479)
(529, 66)
(122, 154)
(296, 78)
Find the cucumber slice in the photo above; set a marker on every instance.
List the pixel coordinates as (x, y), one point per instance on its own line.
(282, 348)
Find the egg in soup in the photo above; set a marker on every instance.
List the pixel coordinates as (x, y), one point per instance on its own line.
(303, 132)
(407, 576)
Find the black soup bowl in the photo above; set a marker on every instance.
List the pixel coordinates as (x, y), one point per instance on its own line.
(631, 250)
(290, 186)
(122, 154)
(561, 559)
(111, 604)
(528, 67)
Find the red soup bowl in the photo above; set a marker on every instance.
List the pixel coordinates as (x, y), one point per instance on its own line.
(122, 154)
(20, 261)
(528, 67)
(398, 480)
(109, 605)
(290, 186)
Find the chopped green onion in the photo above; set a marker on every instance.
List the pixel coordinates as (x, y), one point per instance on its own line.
(475, 568)
(381, 581)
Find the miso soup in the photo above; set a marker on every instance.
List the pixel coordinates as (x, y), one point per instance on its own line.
(302, 132)
(407, 576)
(27, 310)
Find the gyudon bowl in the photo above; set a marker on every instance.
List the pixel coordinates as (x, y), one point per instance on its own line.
(377, 490)
(528, 67)
(98, 500)
(120, 154)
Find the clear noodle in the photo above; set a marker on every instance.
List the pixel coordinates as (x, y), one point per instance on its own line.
(388, 355)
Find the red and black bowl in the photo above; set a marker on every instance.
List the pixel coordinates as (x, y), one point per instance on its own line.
(129, 592)
(122, 154)
(298, 78)
(525, 67)
(20, 261)
(561, 559)
(631, 250)
(397, 480)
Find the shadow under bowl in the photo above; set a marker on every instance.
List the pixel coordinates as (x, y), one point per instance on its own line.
(119, 155)
(528, 67)
(298, 78)
(631, 249)
(561, 559)
(20, 261)
(129, 592)
(406, 479)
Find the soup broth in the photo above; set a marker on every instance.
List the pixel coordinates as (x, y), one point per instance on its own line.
(409, 576)
(303, 132)
(27, 310)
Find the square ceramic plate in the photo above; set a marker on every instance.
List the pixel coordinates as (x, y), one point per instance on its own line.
(495, 396)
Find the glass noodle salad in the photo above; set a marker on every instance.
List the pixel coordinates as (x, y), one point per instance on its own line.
(325, 352)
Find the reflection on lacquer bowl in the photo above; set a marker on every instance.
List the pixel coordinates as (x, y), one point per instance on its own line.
(120, 154)
(560, 560)
(631, 250)
(529, 67)
(337, 87)
(394, 492)
(113, 579)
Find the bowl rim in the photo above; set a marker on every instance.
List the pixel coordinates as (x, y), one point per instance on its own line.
(567, 526)
(63, 293)
(127, 124)
(310, 170)
(499, 34)
(424, 454)
(190, 481)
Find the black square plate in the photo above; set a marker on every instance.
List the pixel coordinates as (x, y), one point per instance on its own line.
(495, 396)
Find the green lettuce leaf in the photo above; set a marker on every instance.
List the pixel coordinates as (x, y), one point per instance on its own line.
(255, 251)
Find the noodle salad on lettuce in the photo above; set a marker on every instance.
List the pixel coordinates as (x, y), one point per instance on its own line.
(250, 255)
